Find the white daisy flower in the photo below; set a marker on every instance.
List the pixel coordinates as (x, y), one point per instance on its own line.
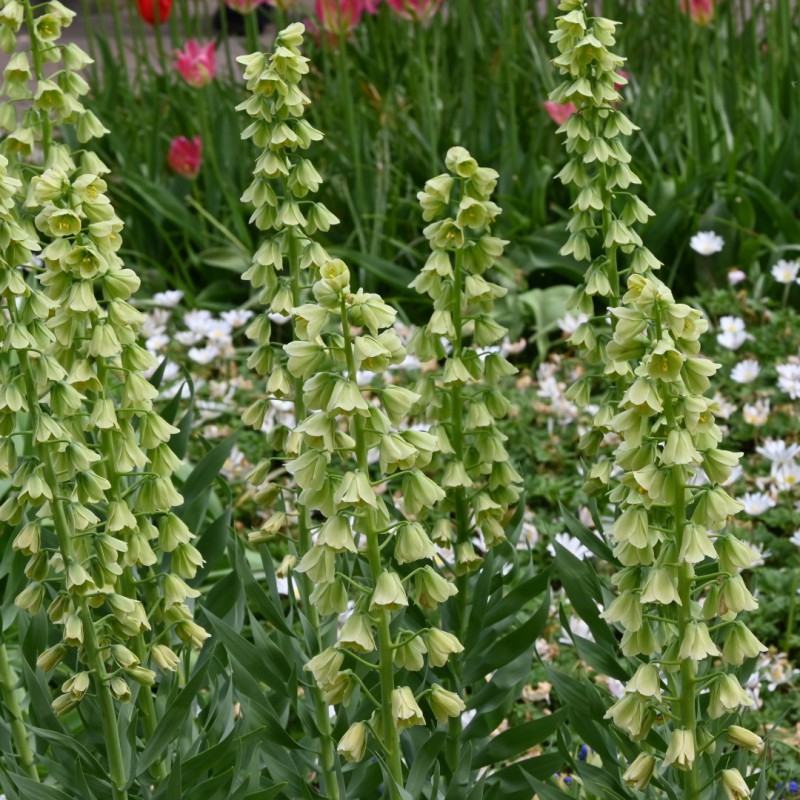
(155, 322)
(778, 452)
(725, 409)
(732, 333)
(168, 299)
(795, 538)
(706, 243)
(157, 343)
(237, 317)
(736, 276)
(203, 355)
(188, 338)
(578, 628)
(787, 477)
(789, 379)
(198, 321)
(756, 503)
(569, 323)
(746, 371)
(785, 272)
(756, 414)
(529, 536)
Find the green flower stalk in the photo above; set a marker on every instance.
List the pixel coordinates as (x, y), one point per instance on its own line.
(679, 586)
(363, 555)
(98, 471)
(282, 270)
(463, 400)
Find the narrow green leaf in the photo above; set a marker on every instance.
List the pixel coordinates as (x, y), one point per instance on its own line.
(519, 739)
(207, 469)
(500, 652)
(582, 587)
(419, 774)
(588, 538)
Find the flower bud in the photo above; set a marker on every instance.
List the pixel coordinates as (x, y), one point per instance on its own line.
(329, 598)
(412, 544)
(325, 667)
(51, 658)
(740, 644)
(356, 634)
(405, 710)
(445, 704)
(353, 745)
(747, 740)
(389, 593)
(409, 654)
(640, 771)
(441, 645)
(164, 658)
(734, 785)
(727, 695)
(681, 750)
(120, 689)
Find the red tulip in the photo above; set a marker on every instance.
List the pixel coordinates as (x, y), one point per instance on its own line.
(147, 10)
(185, 156)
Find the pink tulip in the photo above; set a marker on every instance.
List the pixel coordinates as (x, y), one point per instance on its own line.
(196, 63)
(701, 11)
(339, 17)
(371, 6)
(185, 156)
(418, 10)
(559, 112)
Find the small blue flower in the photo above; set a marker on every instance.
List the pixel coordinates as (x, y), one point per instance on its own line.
(568, 779)
(793, 787)
(583, 752)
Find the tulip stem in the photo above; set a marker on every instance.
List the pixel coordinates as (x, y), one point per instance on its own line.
(391, 736)
(327, 749)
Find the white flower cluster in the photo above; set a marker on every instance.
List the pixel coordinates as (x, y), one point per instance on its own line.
(732, 333)
(789, 377)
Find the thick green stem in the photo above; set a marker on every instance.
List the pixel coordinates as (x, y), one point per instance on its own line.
(455, 727)
(14, 716)
(391, 736)
(39, 73)
(687, 704)
(91, 646)
(144, 697)
(92, 654)
(327, 749)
